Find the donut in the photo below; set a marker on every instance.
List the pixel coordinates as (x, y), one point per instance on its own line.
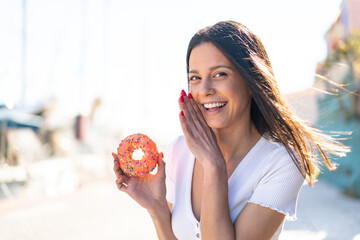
(137, 167)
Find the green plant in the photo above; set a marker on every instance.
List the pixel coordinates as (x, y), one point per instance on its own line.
(347, 52)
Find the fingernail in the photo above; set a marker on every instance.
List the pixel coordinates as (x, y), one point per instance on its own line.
(162, 155)
(181, 98)
(115, 157)
(190, 96)
(182, 113)
(183, 93)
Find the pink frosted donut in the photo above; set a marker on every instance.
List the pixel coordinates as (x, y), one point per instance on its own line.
(130, 166)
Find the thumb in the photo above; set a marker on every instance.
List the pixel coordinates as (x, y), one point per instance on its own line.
(115, 156)
(161, 166)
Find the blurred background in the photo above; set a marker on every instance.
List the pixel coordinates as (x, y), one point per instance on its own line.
(77, 76)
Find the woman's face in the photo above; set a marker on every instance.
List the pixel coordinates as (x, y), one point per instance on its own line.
(217, 87)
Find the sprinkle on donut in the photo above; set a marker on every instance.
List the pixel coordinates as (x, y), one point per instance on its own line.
(130, 166)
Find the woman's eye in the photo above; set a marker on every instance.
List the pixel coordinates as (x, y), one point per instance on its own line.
(220, 74)
(194, 78)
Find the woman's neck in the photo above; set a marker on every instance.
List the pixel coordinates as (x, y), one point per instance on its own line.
(236, 141)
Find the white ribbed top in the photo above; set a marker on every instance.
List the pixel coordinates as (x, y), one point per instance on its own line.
(266, 176)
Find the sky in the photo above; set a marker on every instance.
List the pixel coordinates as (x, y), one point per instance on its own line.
(131, 54)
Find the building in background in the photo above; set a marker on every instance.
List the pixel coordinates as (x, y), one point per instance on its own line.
(339, 109)
(345, 25)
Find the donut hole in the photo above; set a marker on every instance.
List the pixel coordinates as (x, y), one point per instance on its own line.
(153, 172)
(137, 154)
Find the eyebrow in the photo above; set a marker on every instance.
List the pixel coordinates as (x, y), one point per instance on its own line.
(212, 68)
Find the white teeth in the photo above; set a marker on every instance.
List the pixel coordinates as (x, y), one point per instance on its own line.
(213, 105)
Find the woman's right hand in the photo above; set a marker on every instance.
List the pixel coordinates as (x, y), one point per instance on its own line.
(148, 191)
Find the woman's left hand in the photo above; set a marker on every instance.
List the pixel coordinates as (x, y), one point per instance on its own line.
(200, 138)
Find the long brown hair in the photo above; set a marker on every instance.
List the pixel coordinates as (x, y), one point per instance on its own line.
(268, 109)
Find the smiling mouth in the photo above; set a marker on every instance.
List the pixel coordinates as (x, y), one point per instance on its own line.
(214, 106)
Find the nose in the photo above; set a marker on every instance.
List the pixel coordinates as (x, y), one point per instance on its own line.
(207, 87)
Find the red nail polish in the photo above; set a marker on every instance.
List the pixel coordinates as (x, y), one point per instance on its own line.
(190, 96)
(183, 93)
(182, 113)
(162, 155)
(115, 157)
(181, 98)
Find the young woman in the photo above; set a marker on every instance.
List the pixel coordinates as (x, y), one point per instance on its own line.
(237, 171)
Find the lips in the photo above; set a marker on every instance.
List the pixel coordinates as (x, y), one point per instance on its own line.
(214, 105)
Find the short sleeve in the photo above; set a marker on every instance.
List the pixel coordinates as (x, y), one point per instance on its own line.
(170, 173)
(279, 185)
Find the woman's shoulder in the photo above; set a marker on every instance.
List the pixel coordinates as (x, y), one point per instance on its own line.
(276, 155)
(178, 143)
(273, 148)
(178, 140)
(177, 148)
